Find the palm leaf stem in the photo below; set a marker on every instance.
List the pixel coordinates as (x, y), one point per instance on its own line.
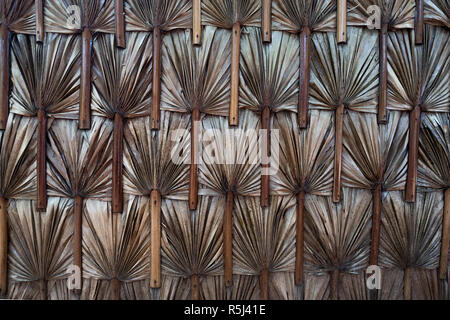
(299, 239)
(266, 20)
(234, 86)
(413, 153)
(334, 284)
(339, 118)
(193, 180)
(43, 290)
(115, 289)
(77, 238)
(264, 284)
(39, 13)
(195, 287)
(42, 161)
(305, 67)
(4, 75)
(341, 26)
(382, 108)
(117, 185)
(3, 246)
(155, 245)
(196, 22)
(156, 79)
(228, 239)
(376, 224)
(85, 89)
(120, 23)
(418, 26)
(407, 284)
(265, 187)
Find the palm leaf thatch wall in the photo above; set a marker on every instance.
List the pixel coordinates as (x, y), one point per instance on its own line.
(232, 149)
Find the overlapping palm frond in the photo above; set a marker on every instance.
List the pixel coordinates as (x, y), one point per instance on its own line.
(244, 288)
(40, 242)
(437, 12)
(224, 13)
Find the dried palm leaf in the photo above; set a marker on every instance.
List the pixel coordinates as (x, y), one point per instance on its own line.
(40, 244)
(305, 167)
(282, 287)
(244, 288)
(343, 77)
(192, 242)
(196, 81)
(304, 17)
(317, 287)
(264, 238)
(353, 286)
(337, 236)
(232, 14)
(410, 234)
(437, 12)
(116, 247)
(46, 80)
(121, 91)
(418, 83)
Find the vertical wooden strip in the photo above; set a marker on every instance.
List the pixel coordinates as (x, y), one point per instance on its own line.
(197, 22)
(341, 30)
(418, 27)
(195, 287)
(443, 265)
(264, 284)
(228, 239)
(41, 161)
(120, 24)
(155, 249)
(407, 284)
(193, 180)
(334, 284)
(4, 76)
(3, 247)
(234, 86)
(266, 20)
(77, 238)
(382, 103)
(43, 289)
(413, 153)
(39, 13)
(339, 118)
(84, 122)
(299, 242)
(156, 80)
(305, 42)
(265, 177)
(115, 289)
(376, 223)
(117, 190)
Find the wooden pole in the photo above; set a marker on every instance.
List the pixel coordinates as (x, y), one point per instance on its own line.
(266, 20)
(341, 30)
(156, 80)
(43, 289)
(305, 43)
(407, 284)
(443, 265)
(4, 76)
(42, 161)
(376, 223)
(77, 239)
(39, 13)
(264, 284)
(120, 24)
(155, 249)
(195, 287)
(334, 284)
(265, 181)
(228, 239)
(338, 153)
(84, 122)
(117, 187)
(418, 27)
(193, 180)
(3, 247)
(115, 289)
(299, 243)
(234, 86)
(413, 153)
(382, 103)
(196, 22)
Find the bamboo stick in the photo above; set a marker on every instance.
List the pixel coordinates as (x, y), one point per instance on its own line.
(84, 122)
(413, 153)
(305, 42)
(42, 161)
(341, 31)
(156, 80)
(115, 289)
(196, 22)
(117, 190)
(39, 13)
(382, 103)
(193, 181)
(376, 223)
(3, 247)
(77, 238)
(195, 287)
(338, 153)
(4, 76)
(120, 24)
(155, 216)
(266, 20)
(299, 243)
(264, 284)
(418, 27)
(234, 86)
(265, 181)
(43, 289)
(334, 284)
(228, 239)
(407, 284)
(443, 265)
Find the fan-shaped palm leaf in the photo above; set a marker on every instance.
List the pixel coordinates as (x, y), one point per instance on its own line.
(410, 234)
(437, 12)
(40, 243)
(337, 236)
(116, 247)
(121, 91)
(195, 82)
(304, 17)
(344, 77)
(45, 78)
(244, 288)
(264, 238)
(192, 242)
(419, 82)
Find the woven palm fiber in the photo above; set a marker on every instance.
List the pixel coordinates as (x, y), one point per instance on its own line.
(98, 200)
